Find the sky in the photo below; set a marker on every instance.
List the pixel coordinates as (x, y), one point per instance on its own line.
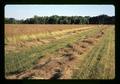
(28, 11)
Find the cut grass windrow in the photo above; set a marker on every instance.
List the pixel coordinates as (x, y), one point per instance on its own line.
(27, 41)
(26, 59)
(15, 39)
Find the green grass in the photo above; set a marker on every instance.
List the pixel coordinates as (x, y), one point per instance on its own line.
(99, 62)
(26, 59)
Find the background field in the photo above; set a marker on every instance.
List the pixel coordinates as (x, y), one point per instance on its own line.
(59, 51)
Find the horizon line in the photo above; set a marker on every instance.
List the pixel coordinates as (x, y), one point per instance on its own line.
(59, 15)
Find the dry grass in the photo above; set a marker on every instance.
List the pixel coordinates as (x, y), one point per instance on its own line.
(31, 35)
(53, 66)
(28, 29)
(64, 56)
(15, 33)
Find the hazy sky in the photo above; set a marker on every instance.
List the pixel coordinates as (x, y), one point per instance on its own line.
(27, 11)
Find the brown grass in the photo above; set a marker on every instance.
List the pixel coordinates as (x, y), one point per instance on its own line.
(28, 29)
(26, 35)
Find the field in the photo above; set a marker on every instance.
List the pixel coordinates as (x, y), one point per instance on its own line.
(59, 51)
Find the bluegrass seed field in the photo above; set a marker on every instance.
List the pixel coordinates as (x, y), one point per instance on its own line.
(37, 51)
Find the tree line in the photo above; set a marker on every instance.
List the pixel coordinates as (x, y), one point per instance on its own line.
(55, 19)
